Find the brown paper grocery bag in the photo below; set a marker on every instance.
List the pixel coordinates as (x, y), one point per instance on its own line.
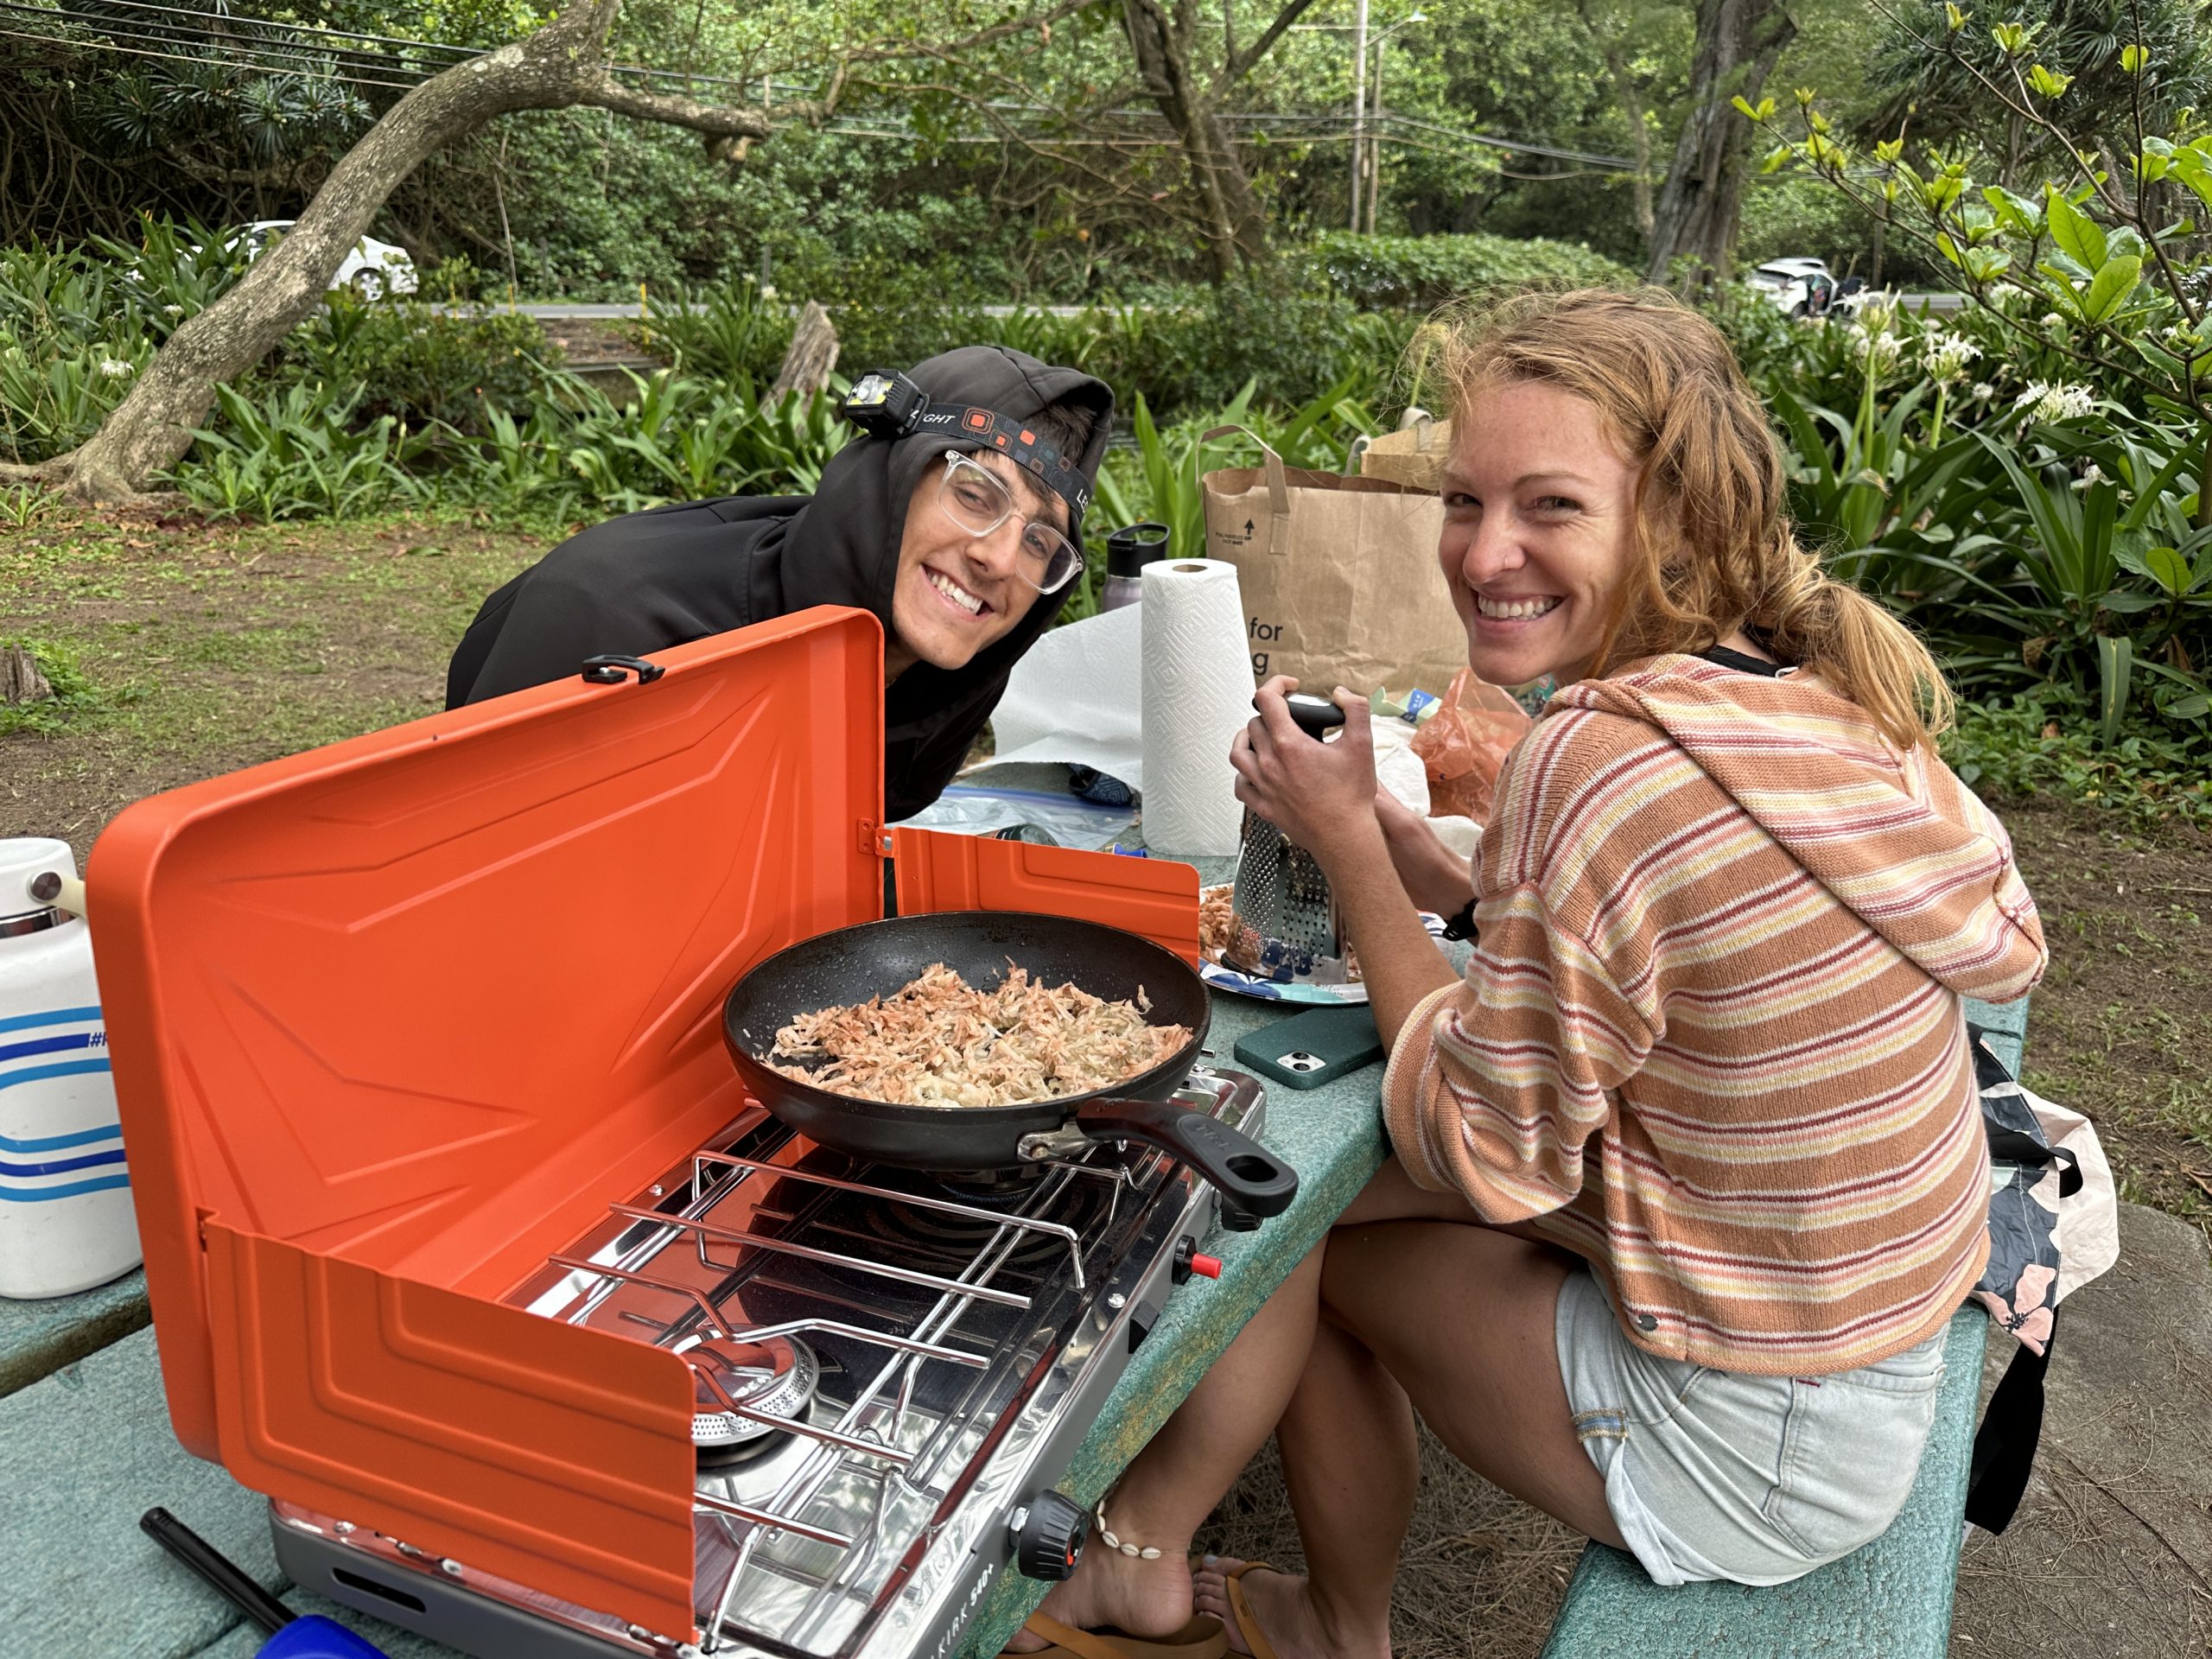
(1413, 455)
(1339, 576)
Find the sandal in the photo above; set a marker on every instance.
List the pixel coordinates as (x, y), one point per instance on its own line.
(1202, 1638)
(1240, 1607)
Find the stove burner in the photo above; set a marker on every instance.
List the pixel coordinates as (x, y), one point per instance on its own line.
(772, 1375)
(940, 1242)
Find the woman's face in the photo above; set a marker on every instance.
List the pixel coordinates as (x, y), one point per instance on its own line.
(956, 593)
(1538, 532)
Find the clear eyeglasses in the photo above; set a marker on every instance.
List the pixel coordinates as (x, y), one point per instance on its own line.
(977, 499)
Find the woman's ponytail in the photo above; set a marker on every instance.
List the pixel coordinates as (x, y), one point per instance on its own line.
(1856, 645)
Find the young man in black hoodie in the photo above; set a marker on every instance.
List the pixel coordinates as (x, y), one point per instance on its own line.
(963, 537)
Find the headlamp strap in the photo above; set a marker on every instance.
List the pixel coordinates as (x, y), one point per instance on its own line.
(885, 404)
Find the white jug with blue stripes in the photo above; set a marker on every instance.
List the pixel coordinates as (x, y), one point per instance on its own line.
(66, 1221)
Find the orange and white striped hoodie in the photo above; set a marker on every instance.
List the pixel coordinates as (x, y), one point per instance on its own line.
(1712, 1038)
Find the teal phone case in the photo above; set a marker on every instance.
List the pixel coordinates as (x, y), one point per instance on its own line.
(1311, 1048)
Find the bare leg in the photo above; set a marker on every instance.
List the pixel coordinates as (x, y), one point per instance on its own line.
(1351, 1460)
(1171, 1488)
(1461, 1315)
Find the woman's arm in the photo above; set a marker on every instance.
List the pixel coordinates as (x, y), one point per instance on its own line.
(1434, 877)
(1322, 796)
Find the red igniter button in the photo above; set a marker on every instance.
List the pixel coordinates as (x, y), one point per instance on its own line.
(1188, 1261)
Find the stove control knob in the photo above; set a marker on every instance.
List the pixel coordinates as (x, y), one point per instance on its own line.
(1188, 1260)
(1048, 1535)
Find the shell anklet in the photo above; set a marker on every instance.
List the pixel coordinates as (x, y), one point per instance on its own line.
(1107, 1538)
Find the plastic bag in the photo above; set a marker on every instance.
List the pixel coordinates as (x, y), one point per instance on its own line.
(1059, 820)
(1463, 744)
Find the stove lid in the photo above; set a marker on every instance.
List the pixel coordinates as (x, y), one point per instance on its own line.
(416, 1001)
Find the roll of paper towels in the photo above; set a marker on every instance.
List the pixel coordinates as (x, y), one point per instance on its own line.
(1198, 694)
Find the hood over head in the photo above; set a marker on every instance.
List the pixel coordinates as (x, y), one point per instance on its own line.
(651, 580)
(1896, 837)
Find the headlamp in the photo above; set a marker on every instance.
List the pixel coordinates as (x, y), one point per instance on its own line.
(885, 404)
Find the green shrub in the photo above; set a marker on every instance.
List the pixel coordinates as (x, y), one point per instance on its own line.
(292, 453)
(740, 331)
(414, 365)
(1422, 272)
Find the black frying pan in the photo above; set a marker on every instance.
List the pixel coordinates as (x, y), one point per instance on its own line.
(852, 964)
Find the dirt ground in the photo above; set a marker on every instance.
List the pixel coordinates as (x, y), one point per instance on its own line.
(203, 648)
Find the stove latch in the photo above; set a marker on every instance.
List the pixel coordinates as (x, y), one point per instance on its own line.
(1048, 1534)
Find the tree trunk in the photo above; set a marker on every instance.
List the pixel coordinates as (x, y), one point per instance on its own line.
(1737, 41)
(559, 65)
(21, 681)
(813, 353)
(1229, 211)
(1639, 137)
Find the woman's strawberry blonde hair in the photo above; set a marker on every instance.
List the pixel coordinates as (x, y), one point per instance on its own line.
(1715, 548)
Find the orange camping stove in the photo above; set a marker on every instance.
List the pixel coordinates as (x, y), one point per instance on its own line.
(395, 1021)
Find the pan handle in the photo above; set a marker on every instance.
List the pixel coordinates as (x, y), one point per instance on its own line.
(1246, 1172)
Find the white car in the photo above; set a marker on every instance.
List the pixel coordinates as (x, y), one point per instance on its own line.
(372, 269)
(1804, 288)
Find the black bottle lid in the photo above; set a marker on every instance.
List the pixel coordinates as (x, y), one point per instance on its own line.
(1133, 547)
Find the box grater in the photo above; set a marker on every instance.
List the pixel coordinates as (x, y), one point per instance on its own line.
(1286, 929)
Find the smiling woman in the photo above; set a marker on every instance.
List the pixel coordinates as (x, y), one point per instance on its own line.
(1688, 1175)
(964, 558)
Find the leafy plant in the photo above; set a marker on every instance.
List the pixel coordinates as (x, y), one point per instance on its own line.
(290, 454)
(738, 331)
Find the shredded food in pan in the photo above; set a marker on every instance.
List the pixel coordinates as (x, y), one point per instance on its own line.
(939, 1041)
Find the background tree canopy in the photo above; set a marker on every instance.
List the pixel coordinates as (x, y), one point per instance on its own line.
(1047, 165)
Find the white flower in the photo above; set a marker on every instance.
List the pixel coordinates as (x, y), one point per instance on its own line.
(1876, 314)
(1983, 391)
(173, 310)
(2090, 475)
(2054, 400)
(115, 369)
(767, 290)
(1881, 351)
(2052, 320)
(1945, 356)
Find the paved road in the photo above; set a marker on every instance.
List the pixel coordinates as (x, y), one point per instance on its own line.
(568, 310)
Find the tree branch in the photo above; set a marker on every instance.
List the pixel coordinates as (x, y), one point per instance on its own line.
(1239, 66)
(601, 90)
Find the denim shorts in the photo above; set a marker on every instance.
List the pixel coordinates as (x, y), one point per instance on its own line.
(1713, 1474)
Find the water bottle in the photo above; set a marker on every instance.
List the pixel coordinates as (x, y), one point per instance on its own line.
(65, 1220)
(1127, 551)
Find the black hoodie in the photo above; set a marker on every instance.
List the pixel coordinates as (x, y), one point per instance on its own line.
(647, 581)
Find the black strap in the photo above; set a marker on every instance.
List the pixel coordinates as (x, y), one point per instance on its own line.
(2005, 1445)
(1461, 924)
(1721, 657)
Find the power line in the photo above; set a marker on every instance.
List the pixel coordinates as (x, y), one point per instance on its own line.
(256, 40)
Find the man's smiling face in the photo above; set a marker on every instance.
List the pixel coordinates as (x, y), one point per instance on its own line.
(956, 592)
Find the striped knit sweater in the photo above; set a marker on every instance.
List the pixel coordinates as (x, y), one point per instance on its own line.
(1710, 1038)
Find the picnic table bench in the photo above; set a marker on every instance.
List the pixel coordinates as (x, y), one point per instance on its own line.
(86, 1447)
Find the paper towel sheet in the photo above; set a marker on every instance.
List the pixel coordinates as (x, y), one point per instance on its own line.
(1197, 694)
(1076, 696)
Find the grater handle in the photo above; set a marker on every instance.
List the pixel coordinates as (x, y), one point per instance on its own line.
(1314, 715)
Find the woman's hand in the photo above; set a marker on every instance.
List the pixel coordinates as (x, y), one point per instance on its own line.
(1434, 877)
(1321, 795)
